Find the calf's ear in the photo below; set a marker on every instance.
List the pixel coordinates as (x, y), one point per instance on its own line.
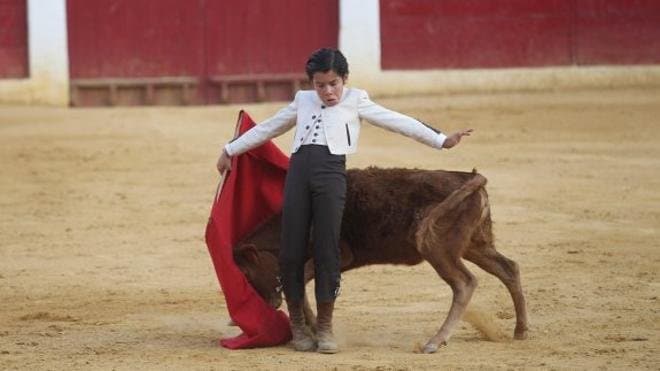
(248, 252)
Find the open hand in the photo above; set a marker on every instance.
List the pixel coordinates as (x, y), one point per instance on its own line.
(455, 138)
(224, 163)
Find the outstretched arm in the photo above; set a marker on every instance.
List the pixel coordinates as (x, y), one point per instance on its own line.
(278, 124)
(400, 123)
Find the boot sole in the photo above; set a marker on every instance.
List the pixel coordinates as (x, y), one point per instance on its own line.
(328, 350)
(305, 347)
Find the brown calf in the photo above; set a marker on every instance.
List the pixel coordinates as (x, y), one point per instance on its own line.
(403, 216)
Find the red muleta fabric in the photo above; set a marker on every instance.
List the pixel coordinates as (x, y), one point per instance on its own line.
(251, 193)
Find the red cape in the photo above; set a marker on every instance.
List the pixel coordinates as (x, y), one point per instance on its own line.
(251, 193)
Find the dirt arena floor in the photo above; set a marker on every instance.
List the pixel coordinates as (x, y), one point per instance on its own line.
(103, 264)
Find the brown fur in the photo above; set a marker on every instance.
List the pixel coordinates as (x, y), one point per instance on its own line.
(404, 216)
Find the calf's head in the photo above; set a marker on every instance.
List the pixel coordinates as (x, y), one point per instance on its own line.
(261, 269)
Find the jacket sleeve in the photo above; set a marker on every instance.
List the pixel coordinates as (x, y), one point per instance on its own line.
(275, 126)
(399, 123)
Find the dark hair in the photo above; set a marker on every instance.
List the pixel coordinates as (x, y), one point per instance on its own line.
(324, 60)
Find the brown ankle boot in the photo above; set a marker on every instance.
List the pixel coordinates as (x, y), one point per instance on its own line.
(324, 335)
(301, 341)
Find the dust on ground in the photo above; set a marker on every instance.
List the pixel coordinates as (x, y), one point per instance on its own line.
(103, 262)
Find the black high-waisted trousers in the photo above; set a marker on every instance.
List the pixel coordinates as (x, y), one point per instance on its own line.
(314, 196)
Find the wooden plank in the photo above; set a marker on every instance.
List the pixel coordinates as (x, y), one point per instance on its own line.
(260, 87)
(272, 77)
(146, 91)
(157, 81)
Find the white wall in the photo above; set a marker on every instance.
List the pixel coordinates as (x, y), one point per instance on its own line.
(359, 40)
(48, 80)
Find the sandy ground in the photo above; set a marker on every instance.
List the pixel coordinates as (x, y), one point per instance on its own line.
(103, 263)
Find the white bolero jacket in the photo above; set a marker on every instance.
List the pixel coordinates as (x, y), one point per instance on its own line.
(341, 123)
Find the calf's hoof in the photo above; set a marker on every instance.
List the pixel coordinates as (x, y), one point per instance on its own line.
(520, 334)
(433, 347)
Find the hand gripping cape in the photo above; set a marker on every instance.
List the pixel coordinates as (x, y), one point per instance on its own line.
(251, 193)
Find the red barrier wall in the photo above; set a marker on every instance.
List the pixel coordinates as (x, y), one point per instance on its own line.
(197, 43)
(426, 34)
(13, 39)
(617, 32)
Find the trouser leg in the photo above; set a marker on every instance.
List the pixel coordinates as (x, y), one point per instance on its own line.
(325, 337)
(296, 215)
(302, 339)
(328, 197)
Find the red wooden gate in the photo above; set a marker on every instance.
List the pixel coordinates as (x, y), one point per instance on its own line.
(193, 52)
(257, 49)
(13, 39)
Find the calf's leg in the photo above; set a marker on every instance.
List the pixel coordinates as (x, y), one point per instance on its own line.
(310, 317)
(507, 271)
(442, 245)
(462, 283)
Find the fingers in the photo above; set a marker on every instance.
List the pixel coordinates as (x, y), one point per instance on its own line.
(220, 166)
(455, 138)
(223, 165)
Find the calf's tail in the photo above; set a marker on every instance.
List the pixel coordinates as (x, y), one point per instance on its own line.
(426, 232)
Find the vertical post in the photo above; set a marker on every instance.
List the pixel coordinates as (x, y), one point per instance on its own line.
(150, 94)
(48, 62)
(261, 90)
(224, 92)
(112, 89)
(48, 51)
(359, 38)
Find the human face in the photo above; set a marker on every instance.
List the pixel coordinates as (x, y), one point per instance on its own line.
(329, 86)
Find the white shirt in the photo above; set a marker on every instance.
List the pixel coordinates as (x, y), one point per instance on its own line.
(339, 125)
